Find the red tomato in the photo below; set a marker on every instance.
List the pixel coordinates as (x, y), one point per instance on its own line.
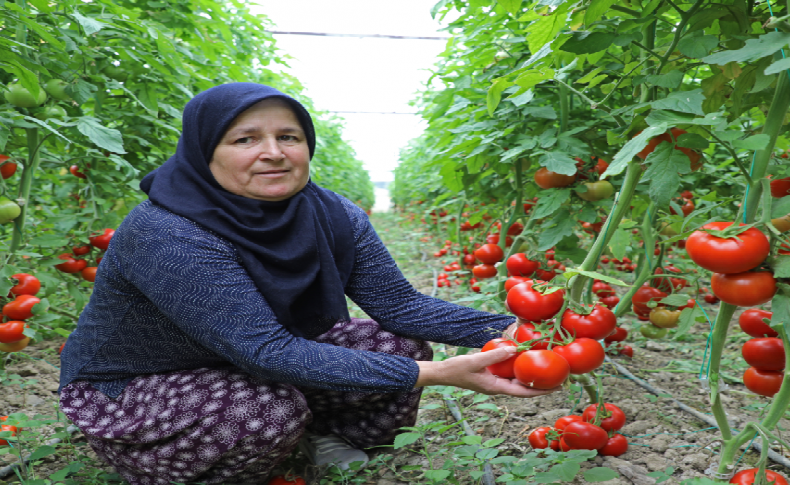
(6, 427)
(469, 259)
(779, 188)
(610, 302)
(747, 477)
(541, 369)
(652, 144)
(21, 308)
(89, 273)
(75, 170)
(581, 435)
(764, 353)
(544, 275)
(515, 229)
(601, 166)
(618, 335)
(7, 169)
(519, 265)
(564, 421)
(644, 295)
(27, 284)
(583, 355)
(102, 241)
(502, 369)
(489, 254)
(628, 351)
(71, 265)
(537, 438)
(750, 288)
(763, 382)
(532, 305)
(686, 194)
(514, 280)
(711, 298)
(526, 332)
(727, 256)
(11, 331)
(602, 289)
(483, 271)
(546, 179)
(287, 480)
(596, 325)
(615, 446)
(614, 416)
(80, 250)
(751, 322)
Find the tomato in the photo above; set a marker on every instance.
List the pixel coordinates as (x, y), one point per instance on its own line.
(80, 250)
(75, 170)
(613, 416)
(564, 421)
(750, 288)
(21, 308)
(764, 353)
(27, 284)
(711, 298)
(664, 318)
(782, 224)
(752, 322)
(644, 295)
(581, 435)
(618, 335)
(469, 259)
(537, 438)
(20, 97)
(615, 446)
(733, 255)
(583, 355)
(12, 331)
(519, 265)
(686, 194)
(596, 325)
(532, 305)
(610, 302)
(601, 166)
(89, 273)
(780, 187)
(103, 241)
(595, 191)
(488, 254)
(15, 346)
(526, 332)
(514, 280)
(747, 477)
(9, 210)
(653, 332)
(627, 350)
(763, 382)
(287, 480)
(502, 369)
(51, 112)
(7, 169)
(687, 208)
(602, 289)
(57, 89)
(6, 427)
(71, 265)
(483, 271)
(651, 145)
(541, 369)
(546, 179)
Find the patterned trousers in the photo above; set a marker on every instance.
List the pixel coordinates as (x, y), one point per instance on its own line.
(222, 426)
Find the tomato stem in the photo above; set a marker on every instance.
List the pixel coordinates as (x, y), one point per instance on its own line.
(34, 158)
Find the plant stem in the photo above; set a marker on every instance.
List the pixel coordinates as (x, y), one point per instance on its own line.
(718, 339)
(31, 166)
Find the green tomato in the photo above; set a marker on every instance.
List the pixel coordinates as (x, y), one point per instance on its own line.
(653, 332)
(21, 97)
(9, 210)
(57, 89)
(51, 112)
(116, 72)
(599, 190)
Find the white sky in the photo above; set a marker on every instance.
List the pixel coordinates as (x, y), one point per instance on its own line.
(361, 74)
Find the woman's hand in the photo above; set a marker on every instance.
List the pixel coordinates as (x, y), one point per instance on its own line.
(469, 372)
(510, 331)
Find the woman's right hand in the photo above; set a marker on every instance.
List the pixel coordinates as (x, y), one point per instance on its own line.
(469, 372)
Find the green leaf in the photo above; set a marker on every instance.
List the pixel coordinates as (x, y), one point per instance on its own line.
(583, 42)
(41, 452)
(667, 118)
(511, 6)
(90, 25)
(566, 471)
(781, 266)
(81, 91)
(405, 439)
(107, 138)
(563, 225)
(780, 305)
(631, 148)
(522, 98)
(778, 66)
(599, 474)
(545, 29)
(596, 9)
(754, 49)
(531, 77)
(670, 80)
(495, 94)
(780, 207)
(697, 47)
(683, 101)
(559, 162)
(61, 474)
(546, 112)
(620, 241)
(692, 140)
(551, 200)
(663, 172)
(754, 142)
(675, 299)
(41, 307)
(77, 296)
(594, 275)
(42, 5)
(49, 241)
(437, 475)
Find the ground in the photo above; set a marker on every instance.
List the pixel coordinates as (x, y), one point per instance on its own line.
(662, 437)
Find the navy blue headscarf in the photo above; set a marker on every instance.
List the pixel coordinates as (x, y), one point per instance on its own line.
(299, 251)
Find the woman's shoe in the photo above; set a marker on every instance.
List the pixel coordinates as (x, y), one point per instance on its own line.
(330, 449)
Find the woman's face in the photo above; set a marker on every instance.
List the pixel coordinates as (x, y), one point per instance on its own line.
(264, 154)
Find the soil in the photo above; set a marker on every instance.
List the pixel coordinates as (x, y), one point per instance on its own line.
(661, 436)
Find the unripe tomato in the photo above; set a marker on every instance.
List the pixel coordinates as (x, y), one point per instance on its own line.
(502, 369)
(596, 191)
(652, 332)
(532, 305)
(763, 382)
(546, 179)
(489, 254)
(15, 346)
(751, 322)
(748, 477)
(664, 318)
(20, 308)
(764, 353)
(541, 369)
(727, 256)
(750, 288)
(57, 89)
(27, 284)
(9, 210)
(596, 325)
(20, 97)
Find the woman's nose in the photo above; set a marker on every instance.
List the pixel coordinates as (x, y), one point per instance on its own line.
(270, 149)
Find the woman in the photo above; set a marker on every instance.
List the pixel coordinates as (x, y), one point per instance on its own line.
(217, 337)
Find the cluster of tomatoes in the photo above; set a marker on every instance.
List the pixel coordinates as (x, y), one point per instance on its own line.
(589, 191)
(764, 353)
(9, 210)
(625, 265)
(72, 263)
(12, 337)
(595, 429)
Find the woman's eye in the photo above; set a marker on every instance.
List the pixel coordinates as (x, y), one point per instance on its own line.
(288, 138)
(245, 139)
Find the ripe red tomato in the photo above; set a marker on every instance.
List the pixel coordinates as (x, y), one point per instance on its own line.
(469, 259)
(596, 325)
(750, 288)
(89, 273)
(489, 254)
(537, 438)
(21, 308)
(747, 477)
(727, 256)
(763, 382)
(531, 305)
(102, 241)
(70, 264)
(514, 280)
(687, 208)
(502, 369)
(546, 179)
(483, 271)
(287, 480)
(628, 351)
(80, 250)
(615, 446)
(583, 355)
(686, 194)
(711, 298)
(541, 369)
(610, 302)
(751, 322)
(644, 295)
(27, 284)
(7, 169)
(652, 144)
(12, 331)
(581, 435)
(75, 170)
(564, 421)
(602, 289)
(779, 188)
(526, 332)
(618, 335)
(614, 420)
(519, 265)
(544, 275)
(764, 353)
(6, 427)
